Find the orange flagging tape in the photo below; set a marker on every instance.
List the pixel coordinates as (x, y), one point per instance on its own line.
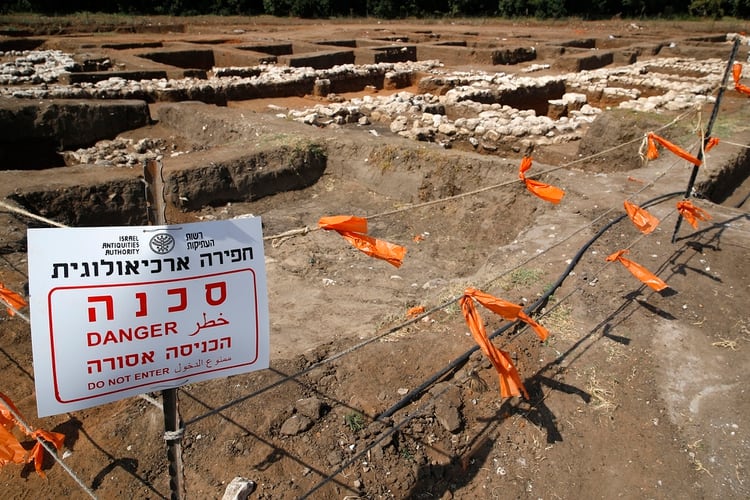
(353, 229)
(510, 381)
(415, 311)
(507, 310)
(544, 191)
(736, 73)
(653, 153)
(11, 450)
(11, 298)
(712, 141)
(644, 275)
(643, 220)
(692, 213)
(37, 452)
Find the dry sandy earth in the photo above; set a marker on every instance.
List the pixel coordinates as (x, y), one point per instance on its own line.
(636, 394)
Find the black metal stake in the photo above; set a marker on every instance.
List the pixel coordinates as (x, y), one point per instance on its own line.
(173, 428)
(709, 128)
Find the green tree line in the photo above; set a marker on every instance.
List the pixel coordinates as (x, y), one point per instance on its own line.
(393, 9)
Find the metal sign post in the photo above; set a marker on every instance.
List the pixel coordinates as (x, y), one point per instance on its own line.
(173, 429)
(709, 128)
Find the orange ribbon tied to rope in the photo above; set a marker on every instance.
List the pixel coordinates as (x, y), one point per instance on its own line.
(11, 450)
(37, 452)
(507, 310)
(353, 229)
(653, 152)
(644, 275)
(544, 191)
(643, 220)
(510, 381)
(12, 298)
(736, 73)
(691, 213)
(712, 141)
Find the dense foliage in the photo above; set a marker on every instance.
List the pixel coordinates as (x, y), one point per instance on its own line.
(389, 9)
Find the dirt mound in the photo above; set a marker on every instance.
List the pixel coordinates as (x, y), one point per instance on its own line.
(621, 126)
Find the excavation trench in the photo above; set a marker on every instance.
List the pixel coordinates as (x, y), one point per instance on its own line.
(232, 160)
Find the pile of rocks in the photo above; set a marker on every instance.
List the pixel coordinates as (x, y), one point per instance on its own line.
(425, 117)
(121, 152)
(674, 88)
(483, 122)
(34, 66)
(466, 107)
(231, 83)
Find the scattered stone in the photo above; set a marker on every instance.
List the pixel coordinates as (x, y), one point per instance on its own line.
(296, 424)
(239, 489)
(448, 416)
(334, 458)
(400, 124)
(447, 408)
(310, 407)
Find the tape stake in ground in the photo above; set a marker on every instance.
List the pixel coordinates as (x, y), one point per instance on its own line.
(644, 275)
(736, 74)
(653, 152)
(544, 191)
(11, 450)
(353, 229)
(691, 213)
(510, 381)
(642, 218)
(11, 298)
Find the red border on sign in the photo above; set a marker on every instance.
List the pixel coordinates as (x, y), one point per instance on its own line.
(160, 381)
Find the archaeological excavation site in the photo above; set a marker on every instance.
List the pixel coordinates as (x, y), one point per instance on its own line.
(589, 177)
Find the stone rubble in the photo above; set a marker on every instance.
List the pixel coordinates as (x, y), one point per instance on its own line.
(423, 117)
(120, 152)
(471, 98)
(34, 66)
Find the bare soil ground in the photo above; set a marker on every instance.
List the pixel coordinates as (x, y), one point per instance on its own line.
(636, 394)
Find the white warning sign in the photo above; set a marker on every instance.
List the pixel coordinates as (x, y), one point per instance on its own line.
(120, 311)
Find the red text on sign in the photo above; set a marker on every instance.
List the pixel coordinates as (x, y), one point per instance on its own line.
(142, 332)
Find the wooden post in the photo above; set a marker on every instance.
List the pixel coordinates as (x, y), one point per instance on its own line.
(173, 429)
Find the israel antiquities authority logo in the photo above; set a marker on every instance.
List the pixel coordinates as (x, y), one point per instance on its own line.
(162, 243)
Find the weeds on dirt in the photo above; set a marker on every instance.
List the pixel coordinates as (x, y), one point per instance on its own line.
(355, 421)
(560, 322)
(726, 344)
(692, 448)
(406, 454)
(602, 397)
(741, 327)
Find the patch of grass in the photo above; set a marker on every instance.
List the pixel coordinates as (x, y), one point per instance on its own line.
(355, 421)
(453, 291)
(559, 322)
(406, 454)
(521, 278)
